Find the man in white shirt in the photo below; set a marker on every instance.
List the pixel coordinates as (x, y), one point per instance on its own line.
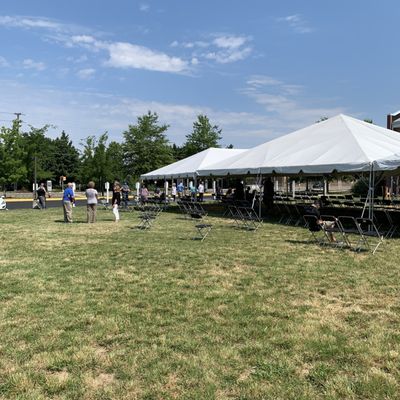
(201, 191)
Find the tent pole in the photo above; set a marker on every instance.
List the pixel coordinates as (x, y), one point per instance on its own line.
(195, 186)
(260, 198)
(370, 196)
(372, 191)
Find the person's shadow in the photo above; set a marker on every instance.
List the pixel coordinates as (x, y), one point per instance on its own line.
(61, 221)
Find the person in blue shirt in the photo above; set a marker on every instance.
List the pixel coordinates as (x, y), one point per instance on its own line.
(68, 200)
(180, 189)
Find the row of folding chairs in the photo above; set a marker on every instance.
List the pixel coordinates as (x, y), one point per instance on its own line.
(244, 217)
(290, 213)
(349, 232)
(190, 208)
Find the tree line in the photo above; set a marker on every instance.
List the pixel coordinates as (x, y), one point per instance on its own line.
(145, 147)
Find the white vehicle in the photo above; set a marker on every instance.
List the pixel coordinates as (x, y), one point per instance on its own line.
(3, 203)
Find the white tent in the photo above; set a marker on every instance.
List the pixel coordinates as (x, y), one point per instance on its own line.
(187, 168)
(339, 144)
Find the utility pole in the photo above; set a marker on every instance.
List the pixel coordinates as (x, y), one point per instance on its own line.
(35, 179)
(18, 114)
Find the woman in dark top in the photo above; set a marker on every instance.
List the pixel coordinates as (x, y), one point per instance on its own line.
(116, 200)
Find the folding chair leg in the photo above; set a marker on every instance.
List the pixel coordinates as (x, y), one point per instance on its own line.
(203, 230)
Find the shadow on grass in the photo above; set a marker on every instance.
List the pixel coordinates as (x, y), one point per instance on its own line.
(61, 221)
(293, 241)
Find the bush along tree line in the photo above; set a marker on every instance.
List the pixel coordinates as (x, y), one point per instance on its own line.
(144, 147)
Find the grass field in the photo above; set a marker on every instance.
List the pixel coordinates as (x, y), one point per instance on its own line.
(106, 311)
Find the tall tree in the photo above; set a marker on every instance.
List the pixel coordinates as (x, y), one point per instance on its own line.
(12, 166)
(177, 152)
(203, 136)
(101, 169)
(86, 160)
(146, 147)
(66, 156)
(95, 164)
(115, 160)
(39, 154)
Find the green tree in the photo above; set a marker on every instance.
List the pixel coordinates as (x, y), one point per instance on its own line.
(66, 157)
(39, 150)
(86, 159)
(203, 136)
(100, 167)
(115, 160)
(178, 153)
(12, 166)
(145, 146)
(95, 165)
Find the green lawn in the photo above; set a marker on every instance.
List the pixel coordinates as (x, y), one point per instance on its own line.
(106, 311)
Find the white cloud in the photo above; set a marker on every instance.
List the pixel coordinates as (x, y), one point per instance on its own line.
(127, 55)
(228, 56)
(3, 62)
(30, 64)
(262, 80)
(120, 54)
(86, 73)
(285, 101)
(82, 114)
(230, 42)
(221, 48)
(144, 7)
(29, 22)
(297, 23)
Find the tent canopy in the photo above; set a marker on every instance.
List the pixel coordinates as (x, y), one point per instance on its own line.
(187, 168)
(342, 144)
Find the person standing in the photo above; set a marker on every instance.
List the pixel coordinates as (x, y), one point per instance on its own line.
(144, 194)
(180, 188)
(116, 200)
(68, 200)
(125, 193)
(201, 191)
(41, 193)
(268, 194)
(192, 190)
(173, 191)
(92, 198)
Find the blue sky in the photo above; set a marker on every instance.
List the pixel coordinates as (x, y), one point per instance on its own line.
(257, 68)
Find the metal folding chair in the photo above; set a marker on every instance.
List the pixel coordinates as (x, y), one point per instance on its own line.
(315, 228)
(371, 237)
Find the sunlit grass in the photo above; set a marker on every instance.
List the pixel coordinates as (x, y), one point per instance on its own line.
(106, 311)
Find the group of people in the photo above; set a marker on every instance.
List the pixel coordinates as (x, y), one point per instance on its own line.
(177, 191)
(92, 197)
